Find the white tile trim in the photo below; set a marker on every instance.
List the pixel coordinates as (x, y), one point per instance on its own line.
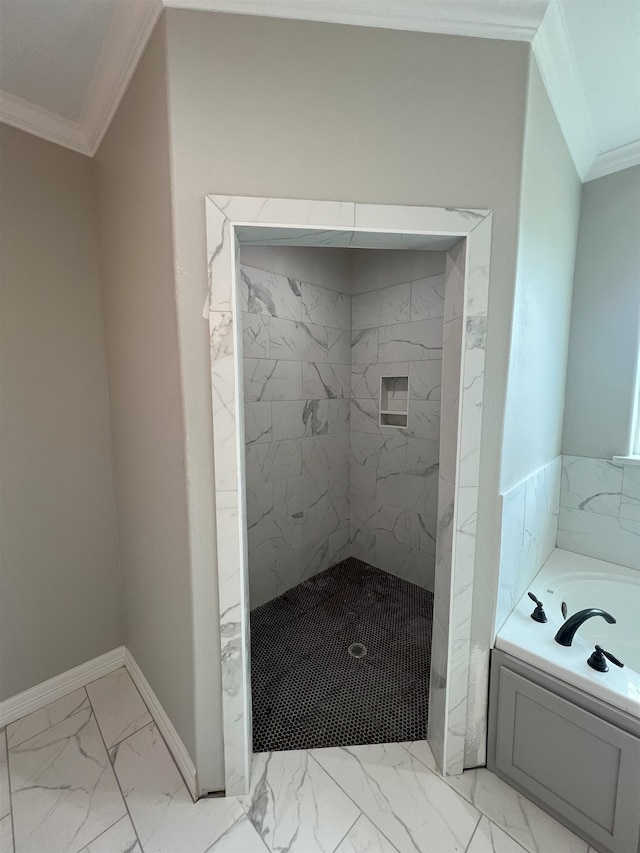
(173, 740)
(18, 706)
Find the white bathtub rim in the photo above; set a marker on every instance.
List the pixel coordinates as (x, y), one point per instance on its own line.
(533, 642)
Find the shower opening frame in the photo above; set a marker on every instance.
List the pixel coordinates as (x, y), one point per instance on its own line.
(235, 220)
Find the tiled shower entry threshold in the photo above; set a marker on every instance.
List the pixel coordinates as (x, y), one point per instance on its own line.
(310, 691)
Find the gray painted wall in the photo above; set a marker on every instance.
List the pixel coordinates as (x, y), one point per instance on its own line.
(605, 319)
(133, 177)
(305, 110)
(61, 598)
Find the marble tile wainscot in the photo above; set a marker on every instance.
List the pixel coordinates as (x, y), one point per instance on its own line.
(307, 222)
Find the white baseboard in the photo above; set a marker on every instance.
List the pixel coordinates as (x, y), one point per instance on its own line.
(18, 706)
(37, 697)
(174, 743)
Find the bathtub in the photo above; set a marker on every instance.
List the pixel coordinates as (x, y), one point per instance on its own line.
(581, 582)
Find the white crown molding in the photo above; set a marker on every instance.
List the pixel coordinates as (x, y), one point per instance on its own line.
(560, 76)
(615, 160)
(39, 122)
(494, 19)
(129, 31)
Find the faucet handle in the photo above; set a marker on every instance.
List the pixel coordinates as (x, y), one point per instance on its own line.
(597, 660)
(538, 614)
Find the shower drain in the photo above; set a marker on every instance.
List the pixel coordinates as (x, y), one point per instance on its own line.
(357, 650)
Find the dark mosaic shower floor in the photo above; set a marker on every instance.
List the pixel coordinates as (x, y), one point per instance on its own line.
(309, 692)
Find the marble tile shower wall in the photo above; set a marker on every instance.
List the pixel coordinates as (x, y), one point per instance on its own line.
(529, 531)
(600, 510)
(297, 355)
(397, 331)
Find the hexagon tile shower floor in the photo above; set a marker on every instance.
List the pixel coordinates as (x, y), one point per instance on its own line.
(309, 691)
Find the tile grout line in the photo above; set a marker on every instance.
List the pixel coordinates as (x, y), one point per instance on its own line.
(13, 823)
(349, 797)
(115, 775)
(348, 830)
(473, 834)
(68, 717)
(82, 849)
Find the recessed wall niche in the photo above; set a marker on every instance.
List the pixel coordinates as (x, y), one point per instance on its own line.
(394, 401)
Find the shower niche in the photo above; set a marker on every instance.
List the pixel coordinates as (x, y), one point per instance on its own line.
(394, 401)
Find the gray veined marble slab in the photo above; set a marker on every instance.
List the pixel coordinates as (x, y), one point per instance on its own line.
(257, 423)
(416, 341)
(338, 346)
(63, 790)
(296, 341)
(339, 415)
(326, 307)
(300, 418)
(410, 805)
(118, 706)
(422, 456)
(323, 452)
(427, 298)
(295, 495)
(255, 336)
(267, 379)
(381, 307)
(42, 719)
(616, 540)
(364, 346)
(164, 814)
(325, 380)
(295, 805)
(591, 485)
(119, 838)
(364, 837)
(424, 419)
(365, 416)
(425, 380)
(401, 490)
(365, 378)
(267, 293)
(276, 460)
(630, 498)
(489, 838)
(6, 823)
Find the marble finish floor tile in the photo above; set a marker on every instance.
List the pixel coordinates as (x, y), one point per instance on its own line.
(119, 838)
(165, 817)
(415, 809)
(309, 692)
(44, 718)
(118, 706)
(363, 837)
(295, 806)
(529, 825)
(6, 822)
(489, 838)
(64, 793)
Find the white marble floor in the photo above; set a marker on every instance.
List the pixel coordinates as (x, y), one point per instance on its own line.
(91, 773)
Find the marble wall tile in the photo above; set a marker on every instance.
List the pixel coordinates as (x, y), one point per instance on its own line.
(280, 211)
(338, 346)
(364, 449)
(427, 298)
(63, 789)
(275, 460)
(262, 576)
(322, 519)
(255, 336)
(44, 718)
(422, 456)
(325, 380)
(604, 537)
(296, 341)
(421, 812)
(340, 543)
(365, 416)
(290, 799)
(591, 485)
(392, 452)
(381, 307)
(118, 706)
(257, 423)
(364, 346)
(401, 490)
(454, 275)
(339, 415)
(425, 380)
(326, 307)
(298, 564)
(266, 380)
(297, 494)
(259, 503)
(416, 341)
(363, 480)
(472, 391)
(449, 408)
(424, 419)
(299, 418)
(339, 482)
(365, 378)
(267, 293)
(421, 532)
(324, 452)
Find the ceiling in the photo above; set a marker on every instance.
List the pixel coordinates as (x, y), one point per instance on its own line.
(65, 64)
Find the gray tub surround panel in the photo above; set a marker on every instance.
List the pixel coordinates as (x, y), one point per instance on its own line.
(528, 534)
(397, 331)
(575, 756)
(296, 355)
(600, 510)
(298, 222)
